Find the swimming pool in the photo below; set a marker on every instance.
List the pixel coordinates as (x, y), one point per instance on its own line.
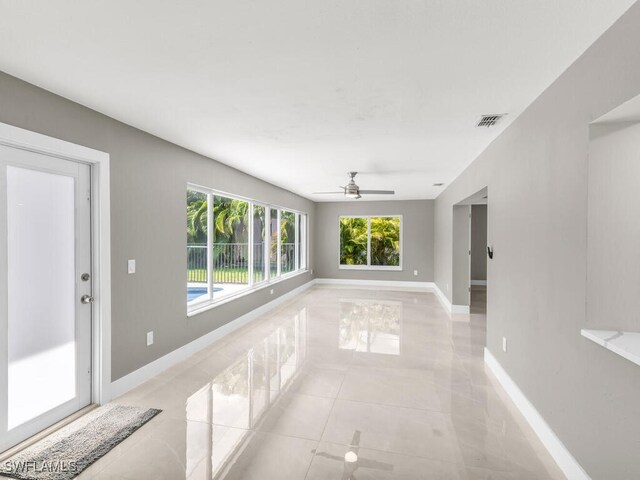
(195, 292)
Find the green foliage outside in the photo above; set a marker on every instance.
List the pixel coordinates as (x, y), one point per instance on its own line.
(230, 220)
(231, 226)
(385, 241)
(353, 241)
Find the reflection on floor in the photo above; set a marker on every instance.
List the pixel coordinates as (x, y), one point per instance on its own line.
(478, 299)
(338, 384)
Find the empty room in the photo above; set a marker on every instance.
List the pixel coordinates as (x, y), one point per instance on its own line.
(303, 240)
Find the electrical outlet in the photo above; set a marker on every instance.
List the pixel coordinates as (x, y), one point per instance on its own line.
(504, 344)
(271, 292)
(447, 287)
(149, 338)
(415, 273)
(131, 266)
(312, 271)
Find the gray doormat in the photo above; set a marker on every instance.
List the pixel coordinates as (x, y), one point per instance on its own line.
(67, 452)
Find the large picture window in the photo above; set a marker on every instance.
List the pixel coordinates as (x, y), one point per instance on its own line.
(371, 243)
(235, 245)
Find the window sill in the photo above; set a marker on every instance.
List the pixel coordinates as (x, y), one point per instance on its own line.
(370, 267)
(205, 306)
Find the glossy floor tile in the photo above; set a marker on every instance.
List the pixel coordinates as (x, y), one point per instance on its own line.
(340, 383)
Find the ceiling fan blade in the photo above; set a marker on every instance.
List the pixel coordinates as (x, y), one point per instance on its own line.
(327, 193)
(378, 192)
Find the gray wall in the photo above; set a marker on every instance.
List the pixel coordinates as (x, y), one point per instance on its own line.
(460, 251)
(417, 225)
(537, 174)
(478, 242)
(613, 276)
(148, 217)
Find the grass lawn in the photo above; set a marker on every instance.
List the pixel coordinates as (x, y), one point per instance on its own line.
(228, 275)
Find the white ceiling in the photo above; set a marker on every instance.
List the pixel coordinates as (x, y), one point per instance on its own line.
(298, 92)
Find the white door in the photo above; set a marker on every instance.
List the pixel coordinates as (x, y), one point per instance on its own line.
(45, 291)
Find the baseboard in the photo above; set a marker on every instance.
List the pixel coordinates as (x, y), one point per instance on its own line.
(478, 282)
(567, 463)
(150, 370)
(385, 284)
(464, 309)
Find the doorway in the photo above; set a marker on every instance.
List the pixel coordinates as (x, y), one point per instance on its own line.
(48, 321)
(469, 254)
(478, 270)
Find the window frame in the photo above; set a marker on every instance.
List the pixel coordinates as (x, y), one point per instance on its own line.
(368, 266)
(195, 307)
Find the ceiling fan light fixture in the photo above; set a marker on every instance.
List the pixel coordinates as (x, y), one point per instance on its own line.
(355, 195)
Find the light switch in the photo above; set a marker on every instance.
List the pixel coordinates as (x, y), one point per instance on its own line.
(149, 338)
(131, 266)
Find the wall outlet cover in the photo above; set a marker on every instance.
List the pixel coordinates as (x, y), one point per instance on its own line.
(149, 339)
(504, 344)
(131, 266)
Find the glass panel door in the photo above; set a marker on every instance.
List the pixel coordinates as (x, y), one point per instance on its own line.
(45, 323)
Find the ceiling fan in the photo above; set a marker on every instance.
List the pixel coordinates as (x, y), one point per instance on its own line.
(351, 190)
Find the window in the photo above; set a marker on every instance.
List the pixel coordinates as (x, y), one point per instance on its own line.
(371, 243)
(235, 245)
(288, 241)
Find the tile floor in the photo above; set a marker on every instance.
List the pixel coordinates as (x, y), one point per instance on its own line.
(340, 383)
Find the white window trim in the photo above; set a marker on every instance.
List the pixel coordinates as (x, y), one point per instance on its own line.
(100, 242)
(369, 266)
(196, 307)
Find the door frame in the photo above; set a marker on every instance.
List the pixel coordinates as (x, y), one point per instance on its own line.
(20, 138)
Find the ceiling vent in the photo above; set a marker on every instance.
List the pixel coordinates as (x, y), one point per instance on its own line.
(489, 120)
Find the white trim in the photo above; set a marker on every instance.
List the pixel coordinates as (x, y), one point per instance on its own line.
(448, 306)
(478, 282)
(567, 463)
(460, 309)
(385, 284)
(101, 240)
(442, 297)
(625, 344)
(141, 375)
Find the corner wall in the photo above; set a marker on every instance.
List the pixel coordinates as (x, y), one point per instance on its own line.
(537, 174)
(149, 179)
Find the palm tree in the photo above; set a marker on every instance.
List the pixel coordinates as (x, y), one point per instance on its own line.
(196, 217)
(353, 241)
(385, 241)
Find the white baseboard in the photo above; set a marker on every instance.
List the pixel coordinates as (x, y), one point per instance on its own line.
(385, 284)
(460, 309)
(478, 282)
(567, 463)
(150, 370)
(448, 306)
(442, 297)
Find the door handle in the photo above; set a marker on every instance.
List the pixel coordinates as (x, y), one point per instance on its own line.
(86, 299)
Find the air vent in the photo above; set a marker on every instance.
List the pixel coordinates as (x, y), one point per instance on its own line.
(489, 120)
(438, 184)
